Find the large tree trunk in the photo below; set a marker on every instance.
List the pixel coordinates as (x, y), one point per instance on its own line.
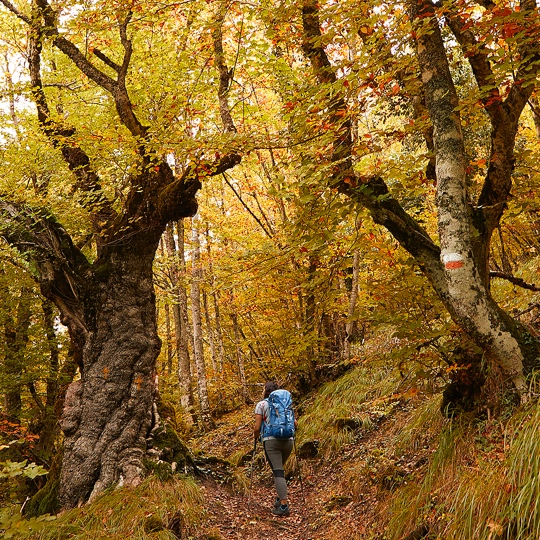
(458, 270)
(464, 248)
(108, 305)
(108, 413)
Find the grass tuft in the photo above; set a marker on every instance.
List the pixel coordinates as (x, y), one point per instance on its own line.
(347, 407)
(154, 510)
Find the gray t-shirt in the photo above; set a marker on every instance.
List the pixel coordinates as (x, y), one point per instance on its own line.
(262, 409)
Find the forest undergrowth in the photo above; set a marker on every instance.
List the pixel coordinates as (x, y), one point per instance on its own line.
(375, 460)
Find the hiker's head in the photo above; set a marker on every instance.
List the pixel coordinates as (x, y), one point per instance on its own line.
(269, 387)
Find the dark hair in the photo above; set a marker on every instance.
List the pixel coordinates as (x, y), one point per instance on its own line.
(269, 387)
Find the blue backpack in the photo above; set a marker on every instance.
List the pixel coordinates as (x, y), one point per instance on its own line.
(280, 421)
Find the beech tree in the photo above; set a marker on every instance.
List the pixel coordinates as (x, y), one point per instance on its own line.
(105, 292)
(486, 35)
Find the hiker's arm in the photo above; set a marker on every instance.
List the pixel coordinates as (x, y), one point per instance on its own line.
(257, 428)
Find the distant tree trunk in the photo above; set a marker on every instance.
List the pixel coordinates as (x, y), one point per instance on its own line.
(219, 331)
(59, 377)
(535, 108)
(180, 328)
(352, 305)
(11, 96)
(16, 338)
(210, 332)
(198, 351)
(168, 364)
(220, 353)
(240, 358)
(168, 339)
(310, 322)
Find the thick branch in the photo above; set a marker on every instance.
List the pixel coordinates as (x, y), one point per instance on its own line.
(62, 269)
(117, 88)
(61, 137)
(128, 50)
(324, 71)
(371, 193)
(225, 76)
(106, 60)
(504, 114)
(16, 12)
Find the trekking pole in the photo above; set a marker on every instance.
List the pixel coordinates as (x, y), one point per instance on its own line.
(299, 472)
(251, 474)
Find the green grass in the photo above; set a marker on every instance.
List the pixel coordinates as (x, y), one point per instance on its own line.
(482, 482)
(425, 423)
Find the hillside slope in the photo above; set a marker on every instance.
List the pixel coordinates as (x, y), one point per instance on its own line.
(387, 466)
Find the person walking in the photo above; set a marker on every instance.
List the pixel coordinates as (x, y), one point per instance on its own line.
(277, 442)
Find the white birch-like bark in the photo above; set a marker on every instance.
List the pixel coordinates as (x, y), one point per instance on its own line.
(239, 357)
(470, 300)
(180, 299)
(219, 331)
(209, 331)
(198, 351)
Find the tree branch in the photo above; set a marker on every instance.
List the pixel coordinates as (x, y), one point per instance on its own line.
(62, 270)
(370, 192)
(514, 280)
(225, 76)
(61, 138)
(106, 60)
(128, 50)
(504, 114)
(16, 12)
(239, 197)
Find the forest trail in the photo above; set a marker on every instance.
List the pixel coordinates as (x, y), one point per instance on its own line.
(243, 517)
(319, 510)
(342, 498)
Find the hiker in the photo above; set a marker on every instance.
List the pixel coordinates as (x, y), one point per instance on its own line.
(276, 448)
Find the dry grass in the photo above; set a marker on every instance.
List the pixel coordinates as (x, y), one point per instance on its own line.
(153, 510)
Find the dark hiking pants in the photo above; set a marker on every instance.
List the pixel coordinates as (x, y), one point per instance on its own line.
(277, 452)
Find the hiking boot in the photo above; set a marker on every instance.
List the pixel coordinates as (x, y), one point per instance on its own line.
(277, 503)
(281, 510)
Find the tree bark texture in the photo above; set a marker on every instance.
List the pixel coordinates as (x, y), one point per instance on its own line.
(471, 301)
(353, 297)
(178, 308)
(16, 338)
(240, 358)
(108, 413)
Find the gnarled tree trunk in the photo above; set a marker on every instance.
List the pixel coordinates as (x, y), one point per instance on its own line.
(108, 413)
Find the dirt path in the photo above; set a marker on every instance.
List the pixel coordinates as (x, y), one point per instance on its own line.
(336, 500)
(319, 510)
(238, 516)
